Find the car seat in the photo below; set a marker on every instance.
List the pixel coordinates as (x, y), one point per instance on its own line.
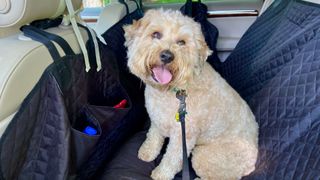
(23, 60)
(112, 13)
(275, 68)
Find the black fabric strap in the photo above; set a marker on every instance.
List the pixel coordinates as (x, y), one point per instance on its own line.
(139, 7)
(182, 95)
(59, 40)
(185, 165)
(125, 4)
(188, 8)
(44, 40)
(47, 23)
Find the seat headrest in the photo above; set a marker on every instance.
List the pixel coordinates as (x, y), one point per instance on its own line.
(20, 12)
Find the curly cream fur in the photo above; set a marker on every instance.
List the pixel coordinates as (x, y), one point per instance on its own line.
(221, 131)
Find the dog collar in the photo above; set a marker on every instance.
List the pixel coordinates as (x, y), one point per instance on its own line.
(181, 95)
(175, 89)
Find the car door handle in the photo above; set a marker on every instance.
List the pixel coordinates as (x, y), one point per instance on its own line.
(231, 13)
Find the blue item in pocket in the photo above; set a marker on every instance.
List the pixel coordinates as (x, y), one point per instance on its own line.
(90, 131)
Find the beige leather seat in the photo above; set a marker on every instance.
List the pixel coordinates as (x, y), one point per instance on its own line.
(22, 61)
(111, 14)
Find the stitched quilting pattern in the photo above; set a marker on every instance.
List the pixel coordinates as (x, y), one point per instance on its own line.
(276, 68)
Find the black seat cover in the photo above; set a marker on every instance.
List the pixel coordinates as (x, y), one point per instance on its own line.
(276, 69)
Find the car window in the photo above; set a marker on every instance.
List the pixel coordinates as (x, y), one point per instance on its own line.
(163, 1)
(101, 3)
(183, 1)
(95, 3)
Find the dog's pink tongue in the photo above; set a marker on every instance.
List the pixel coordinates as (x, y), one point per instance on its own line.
(162, 74)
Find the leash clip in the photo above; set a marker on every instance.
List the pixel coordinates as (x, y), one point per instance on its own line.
(181, 95)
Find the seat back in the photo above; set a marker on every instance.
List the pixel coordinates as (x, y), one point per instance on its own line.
(112, 14)
(22, 59)
(275, 67)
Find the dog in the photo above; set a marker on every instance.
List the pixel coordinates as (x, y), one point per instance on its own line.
(167, 51)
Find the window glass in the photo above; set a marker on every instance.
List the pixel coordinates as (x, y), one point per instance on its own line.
(101, 3)
(163, 1)
(95, 3)
(183, 1)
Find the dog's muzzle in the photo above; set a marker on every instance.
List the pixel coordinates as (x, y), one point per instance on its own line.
(166, 56)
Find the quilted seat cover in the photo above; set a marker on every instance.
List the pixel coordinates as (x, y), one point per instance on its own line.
(276, 68)
(46, 139)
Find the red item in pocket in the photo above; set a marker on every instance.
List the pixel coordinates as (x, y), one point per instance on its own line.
(122, 104)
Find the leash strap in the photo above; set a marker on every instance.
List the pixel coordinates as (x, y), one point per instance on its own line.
(181, 95)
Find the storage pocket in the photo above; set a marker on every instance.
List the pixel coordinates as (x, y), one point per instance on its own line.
(92, 123)
(108, 116)
(85, 133)
(108, 106)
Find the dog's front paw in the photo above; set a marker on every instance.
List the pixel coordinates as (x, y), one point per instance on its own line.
(161, 174)
(145, 153)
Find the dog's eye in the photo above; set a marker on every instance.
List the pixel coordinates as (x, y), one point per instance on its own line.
(156, 35)
(181, 42)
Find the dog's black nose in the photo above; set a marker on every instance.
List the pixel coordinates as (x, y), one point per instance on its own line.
(166, 56)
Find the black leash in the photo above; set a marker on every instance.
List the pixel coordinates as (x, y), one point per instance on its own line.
(180, 116)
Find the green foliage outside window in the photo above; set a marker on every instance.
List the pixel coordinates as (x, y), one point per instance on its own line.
(105, 2)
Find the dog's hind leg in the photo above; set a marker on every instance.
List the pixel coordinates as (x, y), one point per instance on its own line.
(151, 147)
(224, 159)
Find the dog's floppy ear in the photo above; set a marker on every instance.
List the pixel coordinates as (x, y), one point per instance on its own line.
(137, 27)
(204, 52)
(130, 31)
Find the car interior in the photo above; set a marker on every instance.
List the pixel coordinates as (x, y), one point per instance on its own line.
(12, 19)
(267, 50)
